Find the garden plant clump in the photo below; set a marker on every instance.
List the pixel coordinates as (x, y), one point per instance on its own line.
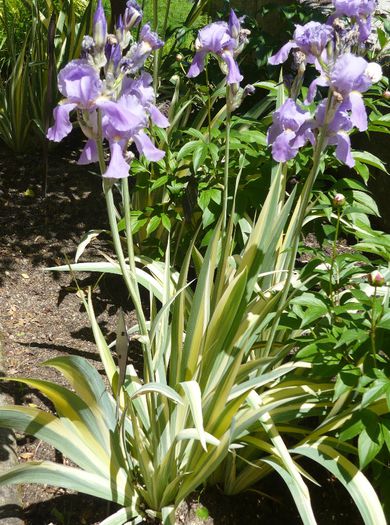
(260, 353)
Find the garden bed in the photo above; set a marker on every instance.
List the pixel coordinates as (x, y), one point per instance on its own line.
(41, 317)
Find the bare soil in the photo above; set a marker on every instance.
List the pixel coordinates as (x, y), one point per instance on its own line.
(41, 317)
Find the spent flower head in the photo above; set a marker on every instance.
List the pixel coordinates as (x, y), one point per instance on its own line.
(360, 11)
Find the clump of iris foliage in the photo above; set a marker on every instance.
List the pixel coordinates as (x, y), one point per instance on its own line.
(275, 351)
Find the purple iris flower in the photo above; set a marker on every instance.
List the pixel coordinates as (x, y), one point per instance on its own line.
(223, 40)
(360, 11)
(349, 77)
(81, 86)
(92, 85)
(118, 139)
(311, 39)
(337, 132)
(289, 131)
(118, 168)
(142, 88)
(140, 52)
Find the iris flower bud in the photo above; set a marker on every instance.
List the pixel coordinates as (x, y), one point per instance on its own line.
(99, 26)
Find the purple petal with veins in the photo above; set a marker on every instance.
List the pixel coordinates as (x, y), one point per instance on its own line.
(282, 149)
(234, 76)
(289, 131)
(157, 117)
(355, 104)
(118, 167)
(89, 153)
(218, 38)
(119, 116)
(311, 39)
(197, 65)
(79, 82)
(146, 147)
(348, 74)
(282, 55)
(62, 125)
(343, 149)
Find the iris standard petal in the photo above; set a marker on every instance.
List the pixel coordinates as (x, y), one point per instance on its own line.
(79, 82)
(119, 117)
(348, 74)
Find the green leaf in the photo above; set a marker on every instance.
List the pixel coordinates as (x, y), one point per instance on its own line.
(49, 473)
(153, 224)
(166, 221)
(49, 428)
(355, 482)
(85, 240)
(251, 136)
(207, 195)
(202, 513)
(159, 182)
(192, 433)
(194, 397)
(187, 149)
(159, 388)
(199, 156)
(369, 445)
(195, 133)
(363, 171)
(301, 501)
(124, 516)
(366, 201)
(88, 384)
(368, 158)
(377, 389)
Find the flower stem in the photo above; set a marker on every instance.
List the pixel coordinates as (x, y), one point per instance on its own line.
(165, 24)
(373, 327)
(156, 52)
(333, 257)
(227, 155)
(208, 100)
(128, 271)
(301, 206)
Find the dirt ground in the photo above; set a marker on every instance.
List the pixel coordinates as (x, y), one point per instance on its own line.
(41, 317)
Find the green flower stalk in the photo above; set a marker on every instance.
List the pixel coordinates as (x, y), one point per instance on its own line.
(338, 202)
(376, 280)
